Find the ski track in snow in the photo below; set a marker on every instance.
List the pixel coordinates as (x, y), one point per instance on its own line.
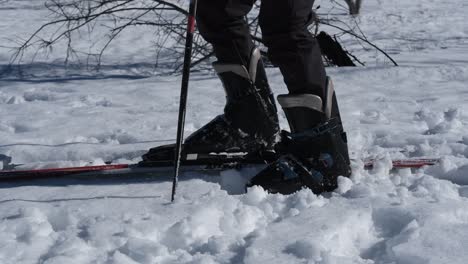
(51, 115)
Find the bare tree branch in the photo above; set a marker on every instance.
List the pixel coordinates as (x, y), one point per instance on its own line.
(361, 38)
(168, 18)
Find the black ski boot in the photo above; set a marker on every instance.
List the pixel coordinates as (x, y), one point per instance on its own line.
(317, 151)
(249, 123)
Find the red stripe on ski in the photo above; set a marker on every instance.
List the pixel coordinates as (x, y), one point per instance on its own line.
(57, 172)
(406, 163)
(71, 169)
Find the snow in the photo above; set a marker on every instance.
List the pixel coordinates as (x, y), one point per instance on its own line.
(52, 115)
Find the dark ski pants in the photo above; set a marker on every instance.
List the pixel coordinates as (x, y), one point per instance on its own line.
(284, 23)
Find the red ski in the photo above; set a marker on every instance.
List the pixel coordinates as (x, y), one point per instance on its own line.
(165, 169)
(58, 172)
(406, 163)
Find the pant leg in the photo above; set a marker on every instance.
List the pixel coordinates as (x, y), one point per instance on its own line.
(291, 46)
(222, 23)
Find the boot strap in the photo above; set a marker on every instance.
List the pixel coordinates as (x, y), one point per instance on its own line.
(322, 129)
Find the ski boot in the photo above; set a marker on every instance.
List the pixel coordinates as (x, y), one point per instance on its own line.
(249, 123)
(316, 147)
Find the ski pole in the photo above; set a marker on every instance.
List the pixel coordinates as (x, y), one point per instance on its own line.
(183, 93)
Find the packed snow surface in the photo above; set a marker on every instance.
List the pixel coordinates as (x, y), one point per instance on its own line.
(51, 115)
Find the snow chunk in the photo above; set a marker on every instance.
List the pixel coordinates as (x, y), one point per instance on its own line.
(306, 249)
(25, 236)
(194, 230)
(142, 251)
(344, 184)
(255, 195)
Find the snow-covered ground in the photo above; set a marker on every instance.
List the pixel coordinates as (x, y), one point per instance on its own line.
(51, 115)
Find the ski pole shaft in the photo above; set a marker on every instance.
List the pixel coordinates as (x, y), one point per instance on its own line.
(183, 93)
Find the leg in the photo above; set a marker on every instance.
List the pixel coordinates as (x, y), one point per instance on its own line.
(291, 46)
(222, 23)
(249, 122)
(315, 152)
(250, 102)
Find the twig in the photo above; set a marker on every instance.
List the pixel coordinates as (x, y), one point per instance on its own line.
(363, 39)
